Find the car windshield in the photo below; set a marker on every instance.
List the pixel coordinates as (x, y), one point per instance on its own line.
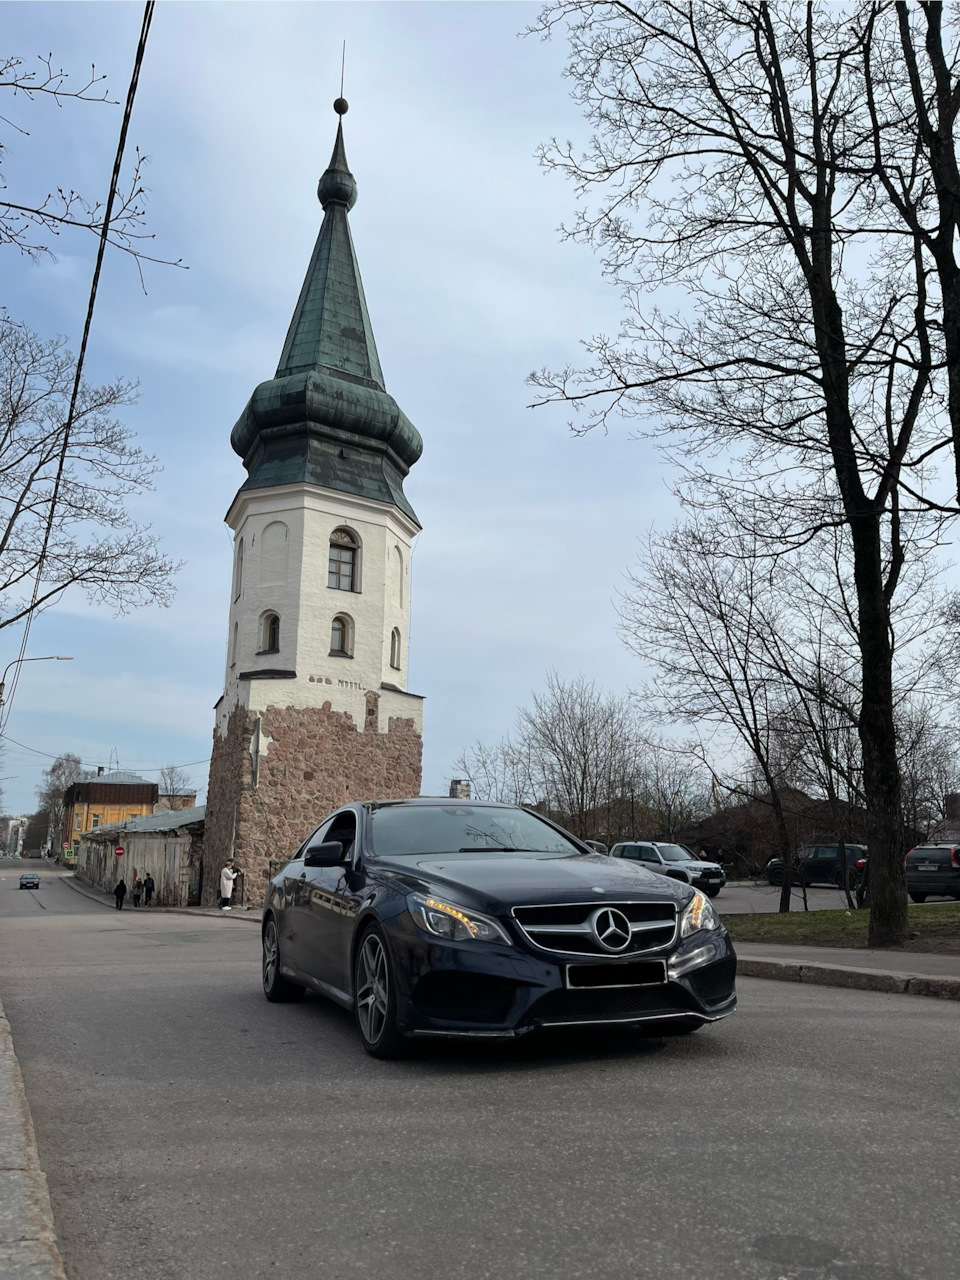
(417, 829)
(675, 853)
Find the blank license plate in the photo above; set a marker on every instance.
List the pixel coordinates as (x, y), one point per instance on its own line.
(638, 973)
(927, 866)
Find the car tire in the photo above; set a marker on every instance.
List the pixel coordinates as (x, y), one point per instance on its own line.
(712, 893)
(775, 877)
(918, 897)
(375, 996)
(277, 988)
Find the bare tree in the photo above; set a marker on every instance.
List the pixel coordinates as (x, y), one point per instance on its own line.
(94, 541)
(175, 781)
(575, 753)
(29, 221)
(64, 771)
(735, 156)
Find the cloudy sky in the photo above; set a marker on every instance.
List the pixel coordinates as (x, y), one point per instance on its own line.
(527, 531)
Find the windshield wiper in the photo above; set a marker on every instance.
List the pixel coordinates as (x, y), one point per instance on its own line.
(488, 848)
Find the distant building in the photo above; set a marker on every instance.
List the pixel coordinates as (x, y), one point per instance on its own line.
(12, 833)
(104, 799)
(168, 846)
(176, 801)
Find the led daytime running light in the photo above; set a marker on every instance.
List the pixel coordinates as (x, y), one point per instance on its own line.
(434, 905)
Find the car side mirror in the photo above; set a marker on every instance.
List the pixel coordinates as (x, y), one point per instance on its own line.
(329, 854)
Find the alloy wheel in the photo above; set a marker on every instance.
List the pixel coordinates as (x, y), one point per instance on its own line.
(373, 988)
(271, 955)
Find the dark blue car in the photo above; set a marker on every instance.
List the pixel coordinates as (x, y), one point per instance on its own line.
(436, 917)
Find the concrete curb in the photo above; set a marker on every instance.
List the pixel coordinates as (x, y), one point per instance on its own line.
(28, 1241)
(96, 895)
(828, 975)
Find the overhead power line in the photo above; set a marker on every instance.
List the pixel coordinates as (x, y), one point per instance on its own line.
(78, 374)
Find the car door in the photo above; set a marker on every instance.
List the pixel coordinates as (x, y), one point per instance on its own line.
(650, 859)
(322, 930)
(293, 915)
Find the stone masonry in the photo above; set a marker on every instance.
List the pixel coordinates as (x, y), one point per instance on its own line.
(262, 805)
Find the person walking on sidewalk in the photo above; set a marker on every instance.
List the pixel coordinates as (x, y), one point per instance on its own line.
(137, 891)
(120, 892)
(227, 877)
(148, 888)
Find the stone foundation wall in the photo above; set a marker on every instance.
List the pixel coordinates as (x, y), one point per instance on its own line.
(311, 760)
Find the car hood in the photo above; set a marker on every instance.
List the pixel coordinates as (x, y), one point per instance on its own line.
(510, 880)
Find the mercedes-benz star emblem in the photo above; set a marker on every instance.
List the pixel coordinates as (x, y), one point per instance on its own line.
(611, 928)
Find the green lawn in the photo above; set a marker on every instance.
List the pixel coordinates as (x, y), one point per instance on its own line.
(932, 926)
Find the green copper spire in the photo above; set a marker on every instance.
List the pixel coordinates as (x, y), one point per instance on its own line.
(325, 418)
(331, 326)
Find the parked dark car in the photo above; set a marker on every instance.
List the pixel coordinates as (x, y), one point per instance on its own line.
(444, 918)
(933, 869)
(820, 864)
(676, 862)
(29, 880)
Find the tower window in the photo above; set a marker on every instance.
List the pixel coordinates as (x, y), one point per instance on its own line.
(343, 572)
(395, 649)
(341, 637)
(238, 571)
(269, 633)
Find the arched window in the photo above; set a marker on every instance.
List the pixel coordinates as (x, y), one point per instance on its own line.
(343, 571)
(238, 571)
(395, 648)
(236, 641)
(341, 637)
(269, 633)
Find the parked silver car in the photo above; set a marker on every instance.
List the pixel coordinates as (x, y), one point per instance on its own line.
(675, 861)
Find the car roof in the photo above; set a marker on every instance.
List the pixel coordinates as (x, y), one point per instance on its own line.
(446, 802)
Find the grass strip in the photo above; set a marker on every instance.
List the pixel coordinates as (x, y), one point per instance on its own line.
(939, 922)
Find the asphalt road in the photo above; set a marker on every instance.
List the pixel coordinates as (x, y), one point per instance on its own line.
(190, 1130)
(751, 898)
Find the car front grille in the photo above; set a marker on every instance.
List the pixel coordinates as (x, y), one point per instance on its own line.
(566, 927)
(558, 1007)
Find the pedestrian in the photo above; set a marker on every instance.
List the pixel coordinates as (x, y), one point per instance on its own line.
(120, 892)
(227, 877)
(137, 890)
(148, 888)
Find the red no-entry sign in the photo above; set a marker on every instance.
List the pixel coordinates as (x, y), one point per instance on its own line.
(119, 851)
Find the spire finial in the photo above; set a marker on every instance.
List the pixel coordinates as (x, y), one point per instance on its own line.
(338, 183)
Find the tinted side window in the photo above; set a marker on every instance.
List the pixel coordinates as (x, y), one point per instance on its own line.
(317, 837)
(629, 851)
(343, 828)
(648, 853)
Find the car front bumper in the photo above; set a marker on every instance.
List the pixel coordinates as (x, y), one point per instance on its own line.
(489, 991)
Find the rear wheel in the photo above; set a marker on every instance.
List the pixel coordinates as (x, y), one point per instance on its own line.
(918, 897)
(277, 988)
(711, 893)
(375, 997)
(775, 876)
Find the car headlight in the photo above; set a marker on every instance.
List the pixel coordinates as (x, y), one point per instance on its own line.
(698, 914)
(444, 920)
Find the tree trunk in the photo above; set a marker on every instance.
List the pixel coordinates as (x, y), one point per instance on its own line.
(881, 769)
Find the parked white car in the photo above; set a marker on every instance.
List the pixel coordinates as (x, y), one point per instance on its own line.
(675, 861)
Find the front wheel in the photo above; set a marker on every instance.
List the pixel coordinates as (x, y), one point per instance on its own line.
(918, 897)
(375, 997)
(712, 893)
(775, 877)
(277, 988)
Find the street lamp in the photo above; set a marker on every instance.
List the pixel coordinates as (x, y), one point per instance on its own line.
(53, 657)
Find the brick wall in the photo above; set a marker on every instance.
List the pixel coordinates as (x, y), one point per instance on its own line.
(311, 760)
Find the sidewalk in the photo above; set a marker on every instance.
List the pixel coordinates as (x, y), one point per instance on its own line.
(914, 973)
(28, 1244)
(251, 914)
